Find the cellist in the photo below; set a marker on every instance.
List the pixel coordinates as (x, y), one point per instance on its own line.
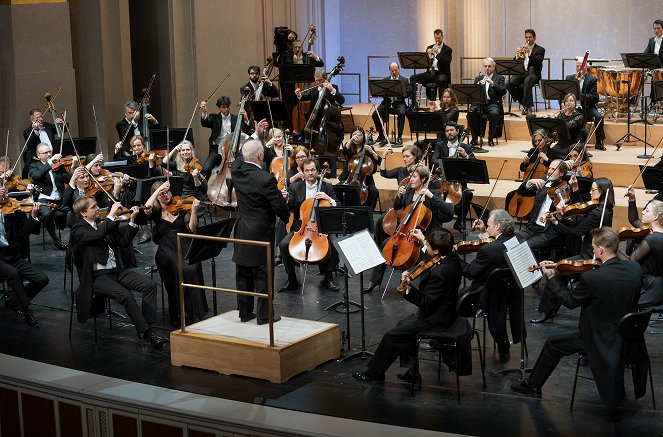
(542, 149)
(352, 150)
(297, 194)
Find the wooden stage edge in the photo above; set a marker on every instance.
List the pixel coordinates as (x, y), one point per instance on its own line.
(225, 345)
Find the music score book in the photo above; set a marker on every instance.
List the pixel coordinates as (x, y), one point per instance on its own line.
(358, 252)
(519, 258)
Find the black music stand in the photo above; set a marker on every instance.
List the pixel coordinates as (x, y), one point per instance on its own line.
(471, 94)
(84, 146)
(202, 250)
(643, 61)
(558, 89)
(510, 67)
(482, 214)
(274, 110)
(427, 122)
(346, 194)
(550, 125)
(584, 188)
(296, 73)
(652, 178)
(137, 171)
(158, 137)
(144, 187)
(414, 61)
(388, 89)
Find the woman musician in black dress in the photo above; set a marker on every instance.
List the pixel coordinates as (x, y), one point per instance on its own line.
(575, 122)
(411, 157)
(542, 148)
(353, 149)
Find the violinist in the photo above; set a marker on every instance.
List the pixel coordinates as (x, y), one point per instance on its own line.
(128, 126)
(442, 212)
(501, 227)
(332, 94)
(575, 122)
(351, 151)
(297, 194)
(166, 227)
(589, 97)
(51, 184)
(138, 155)
(495, 87)
(194, 180)
(274, 146)
(268, 89)
(392, 105)
(110, 183)
(542, 149)
(604, 295)
(79, 183)
(11, 182)
(579, 163)
(14, 249)
(411, 156)
(38, 132)
(435, 298)
(649, 252)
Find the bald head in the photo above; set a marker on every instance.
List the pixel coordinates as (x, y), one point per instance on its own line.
(252, 151)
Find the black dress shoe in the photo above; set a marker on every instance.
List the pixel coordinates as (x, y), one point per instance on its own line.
(291, 284)
(145, 239)
(60, 245)
(490, 143)
(381, 139)
(371, 287)
(599, 146)
(399, 142)
(329, 285)
(266, 321)
(525, 111)
(544, 317)
(155, 340)
(13, 305)
(474, 143)
(524, 387)
(365, 376)
(30, 318)
(410, 378)
(247, 318)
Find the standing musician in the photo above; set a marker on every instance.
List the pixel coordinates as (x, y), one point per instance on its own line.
(268, 89)
(453, 147)
(501, 227)
(299, 57)
(39, 132)
(575, 122)
(167, 225)
(194, 181)
(411, 156)
(51, 184)
(260, 202)
(649, 253)
(589, 97)
(351, 151)
(130, 123)
(221, 124)
(532, 55)
(604, 295)
(332, 94)
(297, 194)
(436, 299)
(392, 105)
(440, 72)
(442, 212)
(542, 150)
(94, 247)
(495, 87)
(654, 46)
(15, 229)
(580, 227)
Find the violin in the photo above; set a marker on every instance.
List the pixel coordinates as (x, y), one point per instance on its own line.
(120, 214)
(192, 164)
(568, 267)
(280, 165)
(451, 192)
(464, 247)
(66, 162)
(10, 206)
(633, 233)
(16, 183)
(574, 209)
(358, 170)
(180, 204)
(560, 192)
(419, 270)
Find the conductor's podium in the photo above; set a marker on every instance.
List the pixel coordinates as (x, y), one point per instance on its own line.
(224, 344)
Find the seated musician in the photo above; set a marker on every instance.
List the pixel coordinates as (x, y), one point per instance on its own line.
(392, 105)
(275, 146)
(542, 150)
(221, 124)
(255, 79)
(604, 295)
(12, 182)
(166, 227)
(81, 185)
(94, 246)
(580, 227)
(449, 105)
(579, 163)
(495, 87)
(440, 72)
(129, 126)
(532, 55)
(39, 132)
(411, 157)
(138, 155)
(331, 92)
(453, 147)
(51, 184)
(297, 194)
(300, 154)
(442, 212)
(181, 165)
(501, 227)
(575, 122)
(649, 252)
(589, 97)
(14, 268)
(436, 299)
(351, 151)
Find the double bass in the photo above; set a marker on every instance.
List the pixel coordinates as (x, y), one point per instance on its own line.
(301, 108)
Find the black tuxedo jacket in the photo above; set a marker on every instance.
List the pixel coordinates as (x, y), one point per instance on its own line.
(582, 226)
(441, 150)
(443, 60)
(536, 60)
(496, 90)
(650, 49)
(313, 95)
(406, 86)
(589, 96)
(259, 202)
(215, 122)
(539, 197)
(604, 295)
(38, 172)
(18, 227)
(33, 141)
(267, 90)
(489, 257)
(297, 196)
(121, 128)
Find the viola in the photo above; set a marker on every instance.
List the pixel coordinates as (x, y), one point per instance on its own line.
(464, 247)
(568, 267)
(180, 204)
(633, 233)
(402, 249)
(419, 270)
(192, 164)
(560, 192)
(308, 245)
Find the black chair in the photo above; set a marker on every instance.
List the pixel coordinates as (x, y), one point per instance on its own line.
(95, 309)
(502, 281)
(498, 129)
(468, 306)
(630, 327)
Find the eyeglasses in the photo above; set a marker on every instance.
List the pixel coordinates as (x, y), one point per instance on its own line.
(594, 189)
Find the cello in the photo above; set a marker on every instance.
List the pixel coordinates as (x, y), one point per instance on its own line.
(360, 167)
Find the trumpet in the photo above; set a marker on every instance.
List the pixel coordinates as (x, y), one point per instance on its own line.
(433, 51)
(520, 52)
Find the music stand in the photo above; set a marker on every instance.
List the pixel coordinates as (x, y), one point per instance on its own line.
(481, 213)
(414, 61)
(584, 188)
(144, 187)
(347, 194)
(158, 137)
(643, 61)
(388, 89)
(472, 171)
(550, 125)
(426, 122)
(84, 146)
(202, 250)
(652, 178)
(274, 110)
(558, 89)
(474, 94)
(296, 73)
(137, 171)
(510, 67)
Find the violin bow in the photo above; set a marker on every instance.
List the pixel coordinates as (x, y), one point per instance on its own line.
(644, 167)
(485, 205)
(193, 114)
(96, 126)
(62, 137)
(217, 88)
(7, 144)
(168, 153)
(32, 131)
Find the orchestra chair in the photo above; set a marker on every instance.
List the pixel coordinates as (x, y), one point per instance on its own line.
(468, 306)
(96, 309)
(454, 337)
(500, 127)
(630, 327)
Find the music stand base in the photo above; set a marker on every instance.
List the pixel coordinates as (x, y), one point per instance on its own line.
(479, 149)
(362, 354)
(644, 156)
(353, 306)
(523, 371)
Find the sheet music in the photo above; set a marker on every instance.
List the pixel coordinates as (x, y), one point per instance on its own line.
(360, 252)
(519, 258)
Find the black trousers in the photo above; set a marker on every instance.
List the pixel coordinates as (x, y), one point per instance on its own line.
(117, 285)
(520, 88)
(556, 347)
(593, 114)
(289, 263)
(441, 80)
(51, 218)
(399, 341)
(252, 279)
(537, 237)
(385, 111)
(477, 127)
(19, 271)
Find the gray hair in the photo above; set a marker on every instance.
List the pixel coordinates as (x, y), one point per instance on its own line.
(502, 218)
(489, 60)
(251, 150)
(131, 104)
